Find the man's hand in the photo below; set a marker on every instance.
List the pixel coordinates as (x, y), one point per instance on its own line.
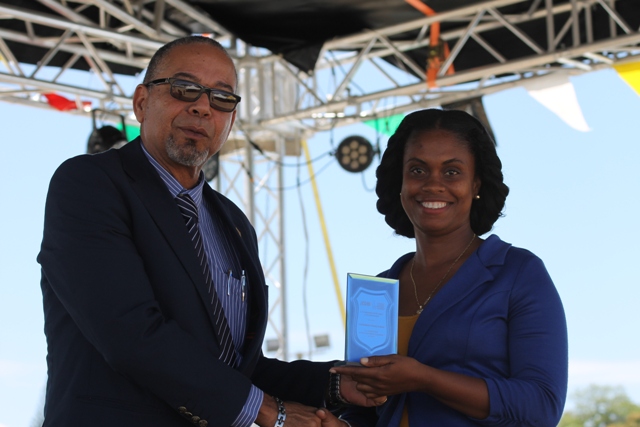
(328, 419)
(298, 415)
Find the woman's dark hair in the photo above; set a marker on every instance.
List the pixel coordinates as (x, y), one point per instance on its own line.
(493, 192)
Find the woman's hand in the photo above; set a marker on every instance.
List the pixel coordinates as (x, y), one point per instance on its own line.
(384, 375)
(393, 374)
(350, 392)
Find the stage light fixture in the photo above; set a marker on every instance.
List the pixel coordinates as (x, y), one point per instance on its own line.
(210, 167)
(321, 341)
(355, 154)
(105, 137)
(273, 344)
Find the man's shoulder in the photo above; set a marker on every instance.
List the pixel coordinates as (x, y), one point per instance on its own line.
(85, 163)
(94, 163)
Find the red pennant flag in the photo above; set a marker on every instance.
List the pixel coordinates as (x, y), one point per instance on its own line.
(63, 104)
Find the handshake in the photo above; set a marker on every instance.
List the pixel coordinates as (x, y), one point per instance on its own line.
(344, 389)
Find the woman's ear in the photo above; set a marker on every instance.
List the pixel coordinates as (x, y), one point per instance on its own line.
(476, 186)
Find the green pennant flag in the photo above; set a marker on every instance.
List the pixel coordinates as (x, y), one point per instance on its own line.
(130, 131)
(386, 125)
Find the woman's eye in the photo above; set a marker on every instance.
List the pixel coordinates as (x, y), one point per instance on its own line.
(452, 172)
(416, 170)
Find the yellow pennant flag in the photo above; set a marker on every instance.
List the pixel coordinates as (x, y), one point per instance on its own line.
(4, 61)
(630, 73)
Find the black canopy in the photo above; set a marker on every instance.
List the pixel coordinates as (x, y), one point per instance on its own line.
(297, 29)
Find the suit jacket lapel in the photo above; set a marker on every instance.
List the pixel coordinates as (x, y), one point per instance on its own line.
(240, 237)
(472, 274)
(165, 213)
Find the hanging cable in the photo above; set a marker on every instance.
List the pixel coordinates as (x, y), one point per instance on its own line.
(308, 180)
(271, 159)
(305, 306)
(325, 234)
(299, 184)
(364, 184)
(438, 48)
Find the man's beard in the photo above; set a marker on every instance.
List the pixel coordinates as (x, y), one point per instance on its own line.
(186, 154)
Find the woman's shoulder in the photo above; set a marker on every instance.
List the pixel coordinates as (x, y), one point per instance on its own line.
(495, 251)
(514, 267)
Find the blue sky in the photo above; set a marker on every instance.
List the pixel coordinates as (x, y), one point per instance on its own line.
(574, 201)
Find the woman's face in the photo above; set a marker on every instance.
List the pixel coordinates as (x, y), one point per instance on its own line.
(438, 182)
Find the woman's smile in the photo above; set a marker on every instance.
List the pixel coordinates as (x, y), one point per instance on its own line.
(434, 205)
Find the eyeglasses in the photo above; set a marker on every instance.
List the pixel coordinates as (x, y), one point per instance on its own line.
(187, 91)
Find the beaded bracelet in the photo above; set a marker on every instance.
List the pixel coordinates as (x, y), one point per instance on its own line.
(335, 397)
(282, 413)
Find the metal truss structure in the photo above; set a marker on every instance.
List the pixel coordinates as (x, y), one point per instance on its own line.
(283, 97)
(353, 80)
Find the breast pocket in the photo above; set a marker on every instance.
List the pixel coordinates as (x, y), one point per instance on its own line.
(232, 291)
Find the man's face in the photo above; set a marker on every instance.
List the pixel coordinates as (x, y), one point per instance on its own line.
(181, 135)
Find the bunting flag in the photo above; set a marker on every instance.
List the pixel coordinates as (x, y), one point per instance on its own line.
(130, 131)
(630, 73)
(557, 93)
(386, 125)
(5, 62)
(61, 103)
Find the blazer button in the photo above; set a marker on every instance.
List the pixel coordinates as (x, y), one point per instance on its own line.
(182, 409)
(203, 423)
(195, 419)
(188, 414)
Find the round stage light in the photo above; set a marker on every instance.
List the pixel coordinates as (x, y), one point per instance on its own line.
(355, 154)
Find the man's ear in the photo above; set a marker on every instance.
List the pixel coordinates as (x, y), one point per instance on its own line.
(233, 120)
(140, 97)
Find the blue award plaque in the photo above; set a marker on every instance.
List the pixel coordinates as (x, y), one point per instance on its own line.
(372, 317)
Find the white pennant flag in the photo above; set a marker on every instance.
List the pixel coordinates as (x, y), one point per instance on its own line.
(557, 93)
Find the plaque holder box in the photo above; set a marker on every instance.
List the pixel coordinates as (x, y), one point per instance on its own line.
(372, 317)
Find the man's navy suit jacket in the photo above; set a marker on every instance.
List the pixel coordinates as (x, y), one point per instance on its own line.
(128, 324)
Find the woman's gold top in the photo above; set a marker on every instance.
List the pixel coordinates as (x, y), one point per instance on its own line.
(405, 328)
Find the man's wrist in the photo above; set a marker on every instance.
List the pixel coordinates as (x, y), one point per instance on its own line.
(282, 413)
(272, 412)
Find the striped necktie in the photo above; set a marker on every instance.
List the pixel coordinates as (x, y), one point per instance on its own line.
(189, 212)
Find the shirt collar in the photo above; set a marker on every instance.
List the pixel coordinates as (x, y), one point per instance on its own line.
(174, 187)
